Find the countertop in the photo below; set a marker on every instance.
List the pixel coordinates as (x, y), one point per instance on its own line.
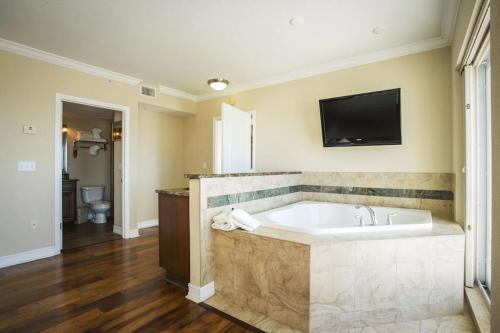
(182, 192)
(242, 174)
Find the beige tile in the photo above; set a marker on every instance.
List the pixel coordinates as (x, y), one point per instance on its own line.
(455, 324)
(415, 282)
(224, 264)
(288, 272)
(406, 327)
(415, 249)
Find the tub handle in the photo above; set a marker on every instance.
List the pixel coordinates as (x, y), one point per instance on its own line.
(360, 219)
(389, 218)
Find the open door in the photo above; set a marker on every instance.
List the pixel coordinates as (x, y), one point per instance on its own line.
(237, 140)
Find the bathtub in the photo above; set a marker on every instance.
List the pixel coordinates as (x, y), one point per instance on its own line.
(313, 217)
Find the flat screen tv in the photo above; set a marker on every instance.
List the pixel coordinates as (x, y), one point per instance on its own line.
(368, 119)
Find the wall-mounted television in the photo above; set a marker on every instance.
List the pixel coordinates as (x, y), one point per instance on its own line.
(367, 119)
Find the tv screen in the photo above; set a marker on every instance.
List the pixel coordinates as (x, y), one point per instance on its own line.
(362, 120)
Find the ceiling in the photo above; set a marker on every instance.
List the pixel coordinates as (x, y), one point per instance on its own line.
(182, 44)
(81, 111)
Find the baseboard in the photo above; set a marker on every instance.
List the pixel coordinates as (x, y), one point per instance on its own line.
(200, 294)
(27, 256)
(133, 233)
(117, 229)
(147, 224)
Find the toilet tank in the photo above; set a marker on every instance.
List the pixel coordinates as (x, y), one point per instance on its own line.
(92, 193)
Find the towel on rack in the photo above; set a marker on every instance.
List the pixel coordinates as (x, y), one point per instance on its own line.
(93, 150)
(238, 218)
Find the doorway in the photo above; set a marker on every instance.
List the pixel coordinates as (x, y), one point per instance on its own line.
(88, 188)
(234, 140)
(86, 140)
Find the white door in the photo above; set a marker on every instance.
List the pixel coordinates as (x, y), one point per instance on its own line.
(237, 140)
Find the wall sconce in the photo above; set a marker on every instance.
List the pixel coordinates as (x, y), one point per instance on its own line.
(64, 128)
(117, 131)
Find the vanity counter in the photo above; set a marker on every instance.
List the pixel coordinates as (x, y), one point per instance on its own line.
(182, 192)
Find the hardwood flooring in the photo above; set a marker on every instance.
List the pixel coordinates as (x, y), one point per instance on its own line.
(85, 234)
(115, 286)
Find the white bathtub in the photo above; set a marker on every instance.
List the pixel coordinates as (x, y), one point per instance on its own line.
(313, 217)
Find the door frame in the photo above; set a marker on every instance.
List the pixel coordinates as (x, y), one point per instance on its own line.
(125, 110)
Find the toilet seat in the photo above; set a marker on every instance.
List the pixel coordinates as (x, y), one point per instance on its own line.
(100, 204)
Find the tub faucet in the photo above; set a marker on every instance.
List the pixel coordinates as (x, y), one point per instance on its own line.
(371, 211)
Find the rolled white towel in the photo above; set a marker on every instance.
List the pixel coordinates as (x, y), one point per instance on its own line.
(223, 222)
(243, 220)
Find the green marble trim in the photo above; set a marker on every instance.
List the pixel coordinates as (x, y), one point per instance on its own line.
(231, 199)
(380, 192)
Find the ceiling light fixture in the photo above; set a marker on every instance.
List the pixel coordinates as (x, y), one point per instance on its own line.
(295, 21)
(378, 30)
(218, 84)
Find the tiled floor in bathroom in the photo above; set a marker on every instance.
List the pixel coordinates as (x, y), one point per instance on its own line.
(450, 324)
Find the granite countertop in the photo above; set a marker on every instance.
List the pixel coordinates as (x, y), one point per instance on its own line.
(183, 192)
(242, 174)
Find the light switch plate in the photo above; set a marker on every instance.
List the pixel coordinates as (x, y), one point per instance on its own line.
(30, 129)
(26, 166)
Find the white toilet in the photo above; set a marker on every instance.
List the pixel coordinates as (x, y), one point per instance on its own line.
(92, 197)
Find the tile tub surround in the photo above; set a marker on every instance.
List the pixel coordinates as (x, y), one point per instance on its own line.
(351, 284)
(211, 194)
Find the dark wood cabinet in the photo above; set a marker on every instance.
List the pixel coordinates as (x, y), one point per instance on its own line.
(174, 237)
(69, 200)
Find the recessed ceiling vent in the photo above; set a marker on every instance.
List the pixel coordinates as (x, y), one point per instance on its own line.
(148, 91)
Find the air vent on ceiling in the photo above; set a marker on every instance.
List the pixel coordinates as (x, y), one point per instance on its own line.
(148, 91)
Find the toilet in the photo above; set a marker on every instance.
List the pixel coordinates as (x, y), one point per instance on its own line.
(92, 197)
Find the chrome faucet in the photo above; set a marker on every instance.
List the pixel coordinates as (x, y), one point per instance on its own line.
(371, 211)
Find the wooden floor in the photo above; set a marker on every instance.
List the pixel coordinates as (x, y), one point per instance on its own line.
(115, 286)
(85, 234)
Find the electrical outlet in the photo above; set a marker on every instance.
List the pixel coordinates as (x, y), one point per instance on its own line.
(34, 224)
(26, 165)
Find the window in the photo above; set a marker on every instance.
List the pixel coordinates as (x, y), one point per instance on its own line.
(483, 182)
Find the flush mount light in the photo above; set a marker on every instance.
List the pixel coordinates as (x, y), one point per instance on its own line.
(295, 21)
(218, 84)
(378, 30)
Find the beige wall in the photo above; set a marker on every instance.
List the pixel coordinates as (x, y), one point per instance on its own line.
(27, 96)
(161, 159)
(495, 130)
(90, 170)
(288, 129)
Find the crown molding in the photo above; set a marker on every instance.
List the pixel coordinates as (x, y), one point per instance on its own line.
(333, 66)
(178, 93)
(30, 52)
